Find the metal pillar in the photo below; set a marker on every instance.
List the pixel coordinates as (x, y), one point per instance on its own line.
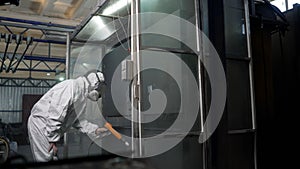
(253, 113)
(200, 53)
(136, 127)
(68, 54)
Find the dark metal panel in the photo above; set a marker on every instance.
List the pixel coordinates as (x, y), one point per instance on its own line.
(241, 151)
(235, 33)
(238, 95)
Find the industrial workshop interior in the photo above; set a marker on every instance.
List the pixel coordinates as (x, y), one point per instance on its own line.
(78, 88)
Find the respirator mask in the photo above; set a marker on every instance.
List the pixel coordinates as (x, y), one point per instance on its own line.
(97, 90)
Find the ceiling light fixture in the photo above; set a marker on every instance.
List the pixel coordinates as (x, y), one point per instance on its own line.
(61, 79)
(115, 7)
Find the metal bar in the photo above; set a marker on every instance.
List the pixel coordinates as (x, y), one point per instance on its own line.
(3, 83)
(20, 59)
(200, 73)
(36, 22)
(24, 31)
(49, 41)
(49, 50)
(44, 58)
(57, 65)
(25, 79)
(255, 150)
(35, 27)
(28, 66)
(68, 55)
(37, 84)
(68, 52)
(41, 40)
(247, 19)
(23, 82)
(164, 49)
(8, 30)
(38, 63)
(5, 52)
(241, 131)
(239, 59)
(47, 83)
(36, 70)
(253, 113)
(14, 81)
(30, 72)
(137, 31)
(200, 56)
(200, 53)
(286, 5)
(136, 145)
(18, 41)
(31, 82)
(28, 86)
(45, 63)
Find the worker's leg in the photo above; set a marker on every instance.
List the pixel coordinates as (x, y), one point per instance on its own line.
(38, 141)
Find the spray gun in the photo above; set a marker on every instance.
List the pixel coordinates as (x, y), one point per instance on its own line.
(115, 133)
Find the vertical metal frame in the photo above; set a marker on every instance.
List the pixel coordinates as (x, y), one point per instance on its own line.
(249, 52)
(200, 54)
(253, 111)
(200, 57)
(136, 126)
(68, 55)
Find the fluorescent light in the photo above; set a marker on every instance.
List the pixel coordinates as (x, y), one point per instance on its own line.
(98, 21)
(61, 79)
(48, 74)
(115, 7)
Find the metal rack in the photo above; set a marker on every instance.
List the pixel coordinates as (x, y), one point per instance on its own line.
(51, 34)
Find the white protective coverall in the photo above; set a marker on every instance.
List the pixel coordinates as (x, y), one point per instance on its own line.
(61, 108)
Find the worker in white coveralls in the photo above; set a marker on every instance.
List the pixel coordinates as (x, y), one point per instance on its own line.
(61, 108)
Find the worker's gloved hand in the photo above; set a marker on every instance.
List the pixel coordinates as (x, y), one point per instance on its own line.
(53, 148)
(102, 132)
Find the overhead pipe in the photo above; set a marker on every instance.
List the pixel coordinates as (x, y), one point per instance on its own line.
(38, 27)
(37, 70)
(19, 39)
(36, 22)
(8, 38)
(38, 40)
(49, 41)
(44, 58)
(28, 42)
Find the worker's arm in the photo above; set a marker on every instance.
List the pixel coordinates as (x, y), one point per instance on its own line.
(89, 128)
(86, 127)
